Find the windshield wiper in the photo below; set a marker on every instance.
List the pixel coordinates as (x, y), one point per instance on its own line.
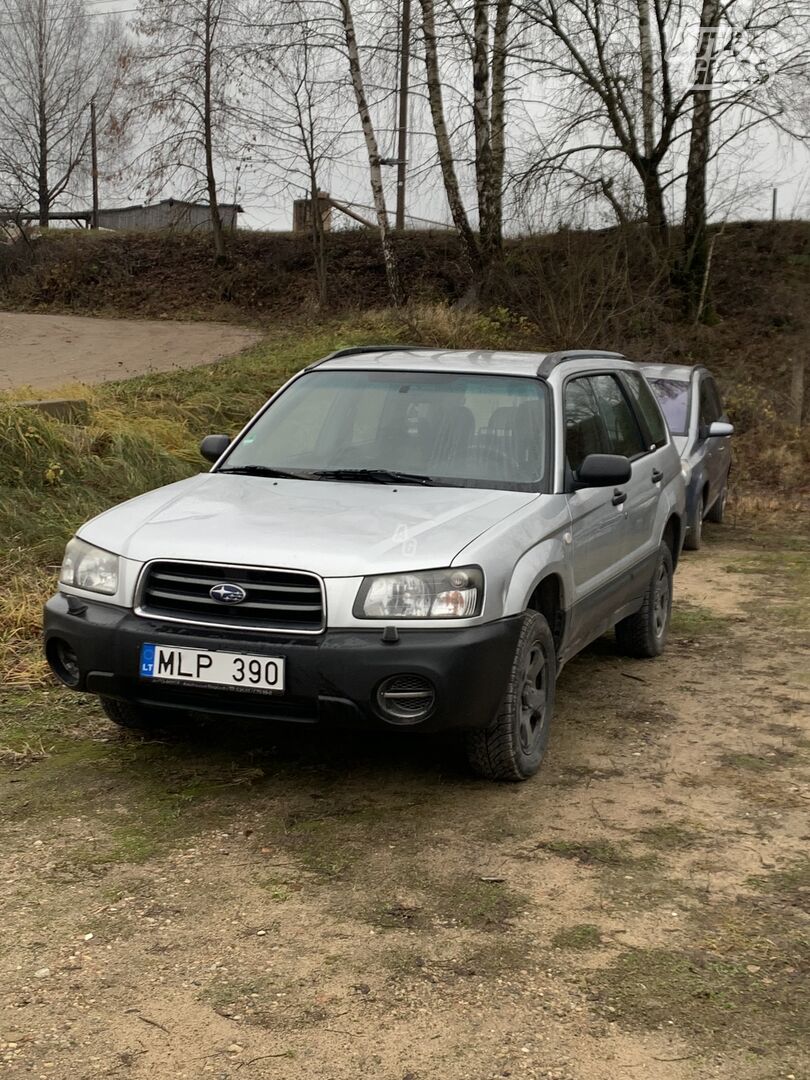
(374, 476)
(266, 470)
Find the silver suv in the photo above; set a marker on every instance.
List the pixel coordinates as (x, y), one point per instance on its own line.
(400, 536)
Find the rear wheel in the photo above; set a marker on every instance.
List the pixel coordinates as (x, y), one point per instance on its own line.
(718, 510)
(645, 633)
(136, 717)
(694, 526)
(513, 745)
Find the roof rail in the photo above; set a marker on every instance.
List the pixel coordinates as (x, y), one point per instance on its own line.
(552, 359)
(358, 350)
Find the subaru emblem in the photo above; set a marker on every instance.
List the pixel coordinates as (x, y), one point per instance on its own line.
(228, 594)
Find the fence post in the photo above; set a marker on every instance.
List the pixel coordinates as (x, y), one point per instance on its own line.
(797, 390)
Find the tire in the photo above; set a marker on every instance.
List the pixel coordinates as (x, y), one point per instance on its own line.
(134, 717)
(718, 510)
(694, 526)
(513, 745)
(645, 633)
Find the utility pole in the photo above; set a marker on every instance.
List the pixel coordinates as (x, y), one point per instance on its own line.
(94, 163)
(773, 204)
(402, 146)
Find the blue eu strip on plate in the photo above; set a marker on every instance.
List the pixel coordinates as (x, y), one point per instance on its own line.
(147, 661)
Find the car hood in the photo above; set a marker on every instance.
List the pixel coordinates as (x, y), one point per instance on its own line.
(334, 529)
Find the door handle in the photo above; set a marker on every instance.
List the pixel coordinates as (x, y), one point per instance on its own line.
(619, 497)
(657, 476)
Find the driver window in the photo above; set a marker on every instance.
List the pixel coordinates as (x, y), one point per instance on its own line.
(584, 431)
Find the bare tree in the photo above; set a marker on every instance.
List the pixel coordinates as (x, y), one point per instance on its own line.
(619, 78)
(53, 62)
(373, 152)
(480, 48)
(299, 127)
(184, 83)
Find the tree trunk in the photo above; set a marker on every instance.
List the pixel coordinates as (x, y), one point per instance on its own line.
(445, 150)
(210, 176)
(695, 240)
(43, 192)
(318, 240)
(498, 123)
(654, 201)
(481, 127)
(377, 190)
(647, 74)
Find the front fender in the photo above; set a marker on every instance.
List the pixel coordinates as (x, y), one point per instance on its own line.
(549, 557)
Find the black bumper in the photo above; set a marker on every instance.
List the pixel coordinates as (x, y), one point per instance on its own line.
(331, 678)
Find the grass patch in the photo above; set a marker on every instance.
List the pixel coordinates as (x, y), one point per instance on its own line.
(692, 620)
(588, 852)
(579, 936)
(458, 901)
(669, 836)
(742, 982)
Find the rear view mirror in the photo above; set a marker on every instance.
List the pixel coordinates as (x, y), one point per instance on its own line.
(214, 446)
(720, 429)
(603, 470)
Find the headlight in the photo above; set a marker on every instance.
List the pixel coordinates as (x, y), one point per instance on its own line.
(455, 593)
(686, 472)
(88, 567)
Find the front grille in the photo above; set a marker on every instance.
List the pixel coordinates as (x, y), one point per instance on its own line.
(274, 599)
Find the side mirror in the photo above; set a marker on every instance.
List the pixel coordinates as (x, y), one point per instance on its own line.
(214, 446)
(602, 470)
(719, 430)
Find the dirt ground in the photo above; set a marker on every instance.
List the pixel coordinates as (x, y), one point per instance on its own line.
(50, 351)
(242, 904)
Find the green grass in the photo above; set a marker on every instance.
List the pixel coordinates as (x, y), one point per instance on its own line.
(692, 620)
(579, 936)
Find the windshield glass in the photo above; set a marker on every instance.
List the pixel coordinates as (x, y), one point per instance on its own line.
(673, 397)
(453, 429)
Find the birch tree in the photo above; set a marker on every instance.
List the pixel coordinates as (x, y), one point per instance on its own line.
(373, 153)
(53, 61)
(483, 46)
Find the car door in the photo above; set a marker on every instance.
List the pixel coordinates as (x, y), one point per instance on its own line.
(652, 470)
(625, 437)
(714, 451)
(597, 516)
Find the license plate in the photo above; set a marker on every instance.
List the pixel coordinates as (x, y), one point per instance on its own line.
(240, 671)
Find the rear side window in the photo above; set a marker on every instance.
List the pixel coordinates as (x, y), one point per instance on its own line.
(647, 406)
(584, 430)
(673, 397)
(624, 434)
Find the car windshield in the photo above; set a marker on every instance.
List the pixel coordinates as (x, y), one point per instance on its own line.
(402, 427)
(673, 397)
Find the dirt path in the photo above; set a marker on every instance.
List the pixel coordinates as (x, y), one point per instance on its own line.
(304, 908)
(51, 351)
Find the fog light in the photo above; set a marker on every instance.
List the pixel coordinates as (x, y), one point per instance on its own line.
(64, 662)
(405, 699)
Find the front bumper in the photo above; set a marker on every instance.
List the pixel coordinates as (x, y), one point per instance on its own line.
(331, 678)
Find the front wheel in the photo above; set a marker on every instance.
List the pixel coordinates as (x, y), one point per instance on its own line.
(512, 746)
(645, 633)
(136, 717)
